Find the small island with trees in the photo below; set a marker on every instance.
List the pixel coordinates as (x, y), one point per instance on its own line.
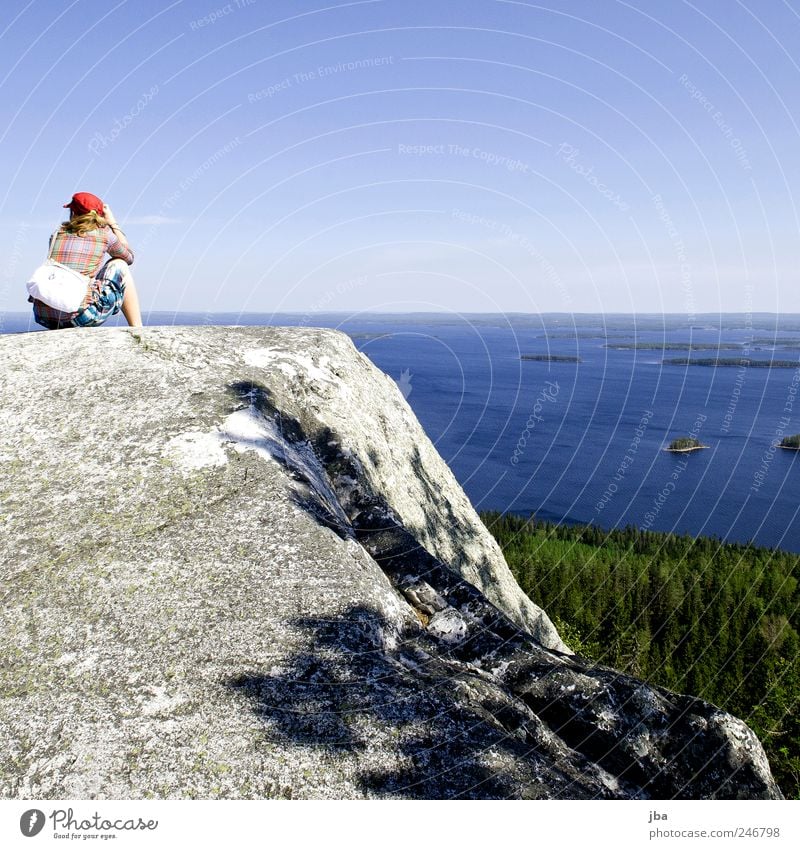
(791, 442)
(728, 361)
(685, 444)
(673, 346)
(550, 358)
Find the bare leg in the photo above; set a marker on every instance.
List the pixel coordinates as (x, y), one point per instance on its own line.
(117, 269)
(130, 303)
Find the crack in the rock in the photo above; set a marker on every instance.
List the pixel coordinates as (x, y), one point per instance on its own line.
(482, 648)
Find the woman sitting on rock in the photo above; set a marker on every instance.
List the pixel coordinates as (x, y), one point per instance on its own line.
(80, 244)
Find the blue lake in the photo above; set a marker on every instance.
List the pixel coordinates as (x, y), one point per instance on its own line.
(582, 442)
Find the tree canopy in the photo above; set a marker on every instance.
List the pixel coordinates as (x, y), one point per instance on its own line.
(699, 616)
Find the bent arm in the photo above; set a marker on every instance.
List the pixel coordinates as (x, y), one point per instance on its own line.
(118, 247)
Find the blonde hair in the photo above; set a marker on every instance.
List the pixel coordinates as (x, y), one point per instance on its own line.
(80, 225)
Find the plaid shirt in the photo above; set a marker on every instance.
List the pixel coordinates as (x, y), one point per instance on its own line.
(85, 253)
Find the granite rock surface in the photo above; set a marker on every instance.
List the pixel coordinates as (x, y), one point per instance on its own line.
(234, 566)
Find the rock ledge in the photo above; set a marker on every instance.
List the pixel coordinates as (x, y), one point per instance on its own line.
(234, 566)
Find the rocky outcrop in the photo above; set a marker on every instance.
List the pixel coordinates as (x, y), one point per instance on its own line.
(234, 566)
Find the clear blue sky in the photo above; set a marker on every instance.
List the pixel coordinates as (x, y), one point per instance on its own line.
(406, 155)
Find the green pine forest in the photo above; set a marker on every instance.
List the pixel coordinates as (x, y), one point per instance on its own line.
(698, 616)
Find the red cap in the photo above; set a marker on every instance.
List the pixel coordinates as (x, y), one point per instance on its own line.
(84, 202)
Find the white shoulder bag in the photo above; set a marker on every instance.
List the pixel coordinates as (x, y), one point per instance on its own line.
(58, 286)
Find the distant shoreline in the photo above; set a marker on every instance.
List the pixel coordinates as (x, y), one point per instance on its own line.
(575, 324)
(692, 321)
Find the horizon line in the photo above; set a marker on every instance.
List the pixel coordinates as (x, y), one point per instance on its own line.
(687, 316)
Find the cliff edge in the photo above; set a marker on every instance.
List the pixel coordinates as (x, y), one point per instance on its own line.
(234, 566)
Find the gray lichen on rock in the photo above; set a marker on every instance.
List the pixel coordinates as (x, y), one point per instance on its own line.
(235, 566)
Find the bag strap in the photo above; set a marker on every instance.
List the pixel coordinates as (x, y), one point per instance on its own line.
(53, 243)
